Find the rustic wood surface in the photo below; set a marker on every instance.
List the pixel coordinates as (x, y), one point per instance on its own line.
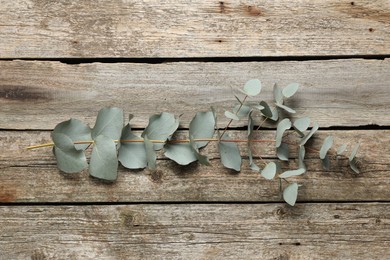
(212, 231)
(183, 64)
(201, 28)
(40, 94)
(32, 176)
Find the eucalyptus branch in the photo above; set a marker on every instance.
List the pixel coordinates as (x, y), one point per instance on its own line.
(114, 143)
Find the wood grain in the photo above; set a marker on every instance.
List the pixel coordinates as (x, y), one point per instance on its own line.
(39, 95)
(211, 231)
(32, 176)
(201, 28)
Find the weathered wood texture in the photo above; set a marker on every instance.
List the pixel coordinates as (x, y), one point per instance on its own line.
(32, 176)
(201, 28)
(215, 231)
(38, 95)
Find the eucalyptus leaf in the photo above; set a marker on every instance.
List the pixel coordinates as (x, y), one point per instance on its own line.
(201, 158)
(325, 163)
(328, 142)
(241, 111)
(282, 152)
(309, 135)
(202, 126)
(104, 161)
(231, 115)
(278, 96)
(250, 126)
(341, 149)
(132, 155)
(161, 127)
(354, 152)
(354, 166)
(252, 87)
(281, 128)
(109, 122)
(181, 153)
(252, 165)
(301, 124)
(69, 159)
(290, 173)
(286, 108)
(76, 131)
(301, 157)
(151, 156)
(230, 154)
(258, 107)
(290, 89)
(290, 194)
(275, 115)
(278, 166)
(266, 111)
(269, 171)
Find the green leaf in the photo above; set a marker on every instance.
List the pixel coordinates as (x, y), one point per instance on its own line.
(281, 128)
(202, 126)
(282, 152)
(161, 127)
(181, 153)
(69, 159)
(250, 126)
(275, 114)
(286, 108)
(132, 155)
(309, 135)
(290, 173)
(328, 142)
(104, 161)
(76, 131)
(201, 158)
(252, 165)
(269, 171)
(341, 149)
(290, 194)
(230, 154)
(258, 107)
(354, 152)
(301, 125)
(151, 156)
(326, 163)
(301, 157)
(252, 87)
(242, 112)
(109, 122)
(290, 90)
(266, 111)
(231, 115)
(278, 96)
(353, 165)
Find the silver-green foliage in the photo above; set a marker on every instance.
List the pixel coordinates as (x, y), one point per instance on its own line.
(113, 142)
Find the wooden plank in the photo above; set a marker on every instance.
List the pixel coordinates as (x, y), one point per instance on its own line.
(201, 28)
(38, 95)
(31, 176)
(213, 231)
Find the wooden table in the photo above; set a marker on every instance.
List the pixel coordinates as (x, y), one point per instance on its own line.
(63, 59)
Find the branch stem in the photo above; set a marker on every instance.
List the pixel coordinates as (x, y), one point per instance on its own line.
(159, 141)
